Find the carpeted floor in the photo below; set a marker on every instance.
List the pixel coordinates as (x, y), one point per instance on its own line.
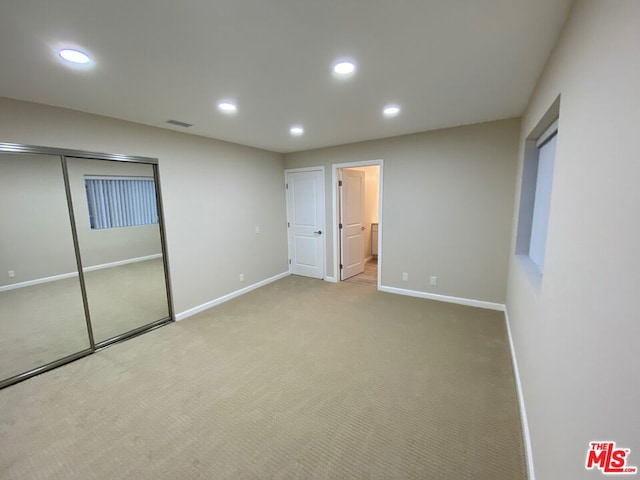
(46, 322)
(298, 379)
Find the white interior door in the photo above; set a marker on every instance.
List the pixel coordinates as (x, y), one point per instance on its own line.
(352, 222)
(305, 221)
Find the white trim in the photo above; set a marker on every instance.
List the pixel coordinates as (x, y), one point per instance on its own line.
(331, 279)
(37, 281)
(528, 451)
(368, 259)
(229, 296)
(62, 276)
(324, 214)
(122, 262)
(304, 169)
(444, 298)
(334, 207)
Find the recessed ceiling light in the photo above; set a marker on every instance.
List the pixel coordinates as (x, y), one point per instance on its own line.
(344, 67)
(296, 130)
(74, 56)
(227, 107)
(391, 110)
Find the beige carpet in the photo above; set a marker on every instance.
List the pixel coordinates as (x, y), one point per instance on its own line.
(45, 322)
(126, 297)
(298, 379)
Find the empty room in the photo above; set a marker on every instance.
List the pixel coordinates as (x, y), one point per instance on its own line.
(289, 239)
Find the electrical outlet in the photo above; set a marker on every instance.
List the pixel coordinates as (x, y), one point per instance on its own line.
(405, 277)
(12, 273)
(257, 228)
(242, 277)
(434, 280)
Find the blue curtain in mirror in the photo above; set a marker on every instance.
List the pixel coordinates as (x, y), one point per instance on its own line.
(121, 202)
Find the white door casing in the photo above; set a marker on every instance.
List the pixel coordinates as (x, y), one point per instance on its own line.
(352, 221)
(305, 221)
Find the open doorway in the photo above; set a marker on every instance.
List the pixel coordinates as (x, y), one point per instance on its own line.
(357, 211)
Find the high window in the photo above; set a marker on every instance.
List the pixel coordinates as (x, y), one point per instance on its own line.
(535, 195)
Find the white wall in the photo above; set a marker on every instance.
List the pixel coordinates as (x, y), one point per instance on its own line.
(35, 236)
(577, 340)
(448, 204)
(214, 193)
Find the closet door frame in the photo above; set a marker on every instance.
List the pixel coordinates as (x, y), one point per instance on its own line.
(62, 154)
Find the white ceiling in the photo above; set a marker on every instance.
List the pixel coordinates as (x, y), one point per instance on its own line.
(446, 62)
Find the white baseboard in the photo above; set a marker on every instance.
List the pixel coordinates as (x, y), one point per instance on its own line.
(444, 298)
(331, 279)
(62, 276)
(37, 281)
(122, 262)
(368, 259)
(229, 296)
(523, 412)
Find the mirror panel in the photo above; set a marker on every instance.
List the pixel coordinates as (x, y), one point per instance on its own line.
(42, 315)
(116, 220)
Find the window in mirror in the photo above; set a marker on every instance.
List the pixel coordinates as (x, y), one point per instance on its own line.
(120, 201)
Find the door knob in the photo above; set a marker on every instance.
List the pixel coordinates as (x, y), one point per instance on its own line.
(362, 228)
(319, 232)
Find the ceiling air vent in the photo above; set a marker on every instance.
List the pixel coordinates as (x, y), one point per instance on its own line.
(178, 123)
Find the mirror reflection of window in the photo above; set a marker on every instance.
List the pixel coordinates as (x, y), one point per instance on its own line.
(120, 201)
(61, 213)
(119, 238)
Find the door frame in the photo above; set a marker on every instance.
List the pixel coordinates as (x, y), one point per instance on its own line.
(324, 214)
(336, 215)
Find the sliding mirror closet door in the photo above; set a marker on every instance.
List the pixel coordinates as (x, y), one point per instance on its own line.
(116, 216)
(42, 317)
